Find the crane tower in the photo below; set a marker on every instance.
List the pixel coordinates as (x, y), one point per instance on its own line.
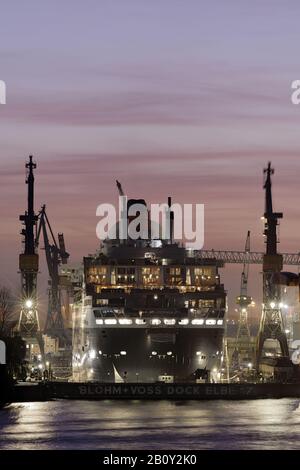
(271, 325)
(29, 263)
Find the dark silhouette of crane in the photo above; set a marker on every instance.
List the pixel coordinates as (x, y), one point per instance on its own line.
(120, 189)
(242, 351)
(55, 256)
(244, 300)
(271, 325)
(29, 262)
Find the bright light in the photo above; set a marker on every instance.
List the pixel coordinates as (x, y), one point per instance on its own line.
(197, 321)
(123, 353)
(92, 354)
(169, 353)
(156, 321)
(110, 321)
(272, 304)
(287, 332)
(155, 296)
(28, 303)
(250, 365)
(184, 321)
(40, 366)
(100, 353)
(39, 357)
(154, 353)
(47, 364)
(169, 321)
(198, 353)
(280, 305)
(125, 321)
(285, 306)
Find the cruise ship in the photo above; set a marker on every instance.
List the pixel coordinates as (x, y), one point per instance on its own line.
(151, 311)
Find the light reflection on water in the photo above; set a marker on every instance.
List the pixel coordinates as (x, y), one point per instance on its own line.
(62, 424)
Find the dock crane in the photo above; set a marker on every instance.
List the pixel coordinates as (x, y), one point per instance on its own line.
(243, 352)
(244, 300)
(120, 189)
(28, 325)
(55, 255)
(271, 325)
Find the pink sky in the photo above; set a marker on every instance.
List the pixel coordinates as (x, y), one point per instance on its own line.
(189, 101)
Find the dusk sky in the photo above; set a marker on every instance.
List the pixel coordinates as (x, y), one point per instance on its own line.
(189, 99)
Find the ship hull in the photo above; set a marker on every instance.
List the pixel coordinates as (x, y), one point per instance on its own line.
(150, 355)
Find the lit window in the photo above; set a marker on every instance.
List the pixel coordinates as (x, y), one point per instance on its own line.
(110, 321)
(123, 353)
(197, 321)
(169, 321)
(99, 321)
(210, 321)
(184, 321)
(125, 321)
(155, 321)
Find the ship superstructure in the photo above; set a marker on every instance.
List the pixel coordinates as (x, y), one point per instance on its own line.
(151, 310)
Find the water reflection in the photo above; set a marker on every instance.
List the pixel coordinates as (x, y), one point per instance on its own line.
(260, 424)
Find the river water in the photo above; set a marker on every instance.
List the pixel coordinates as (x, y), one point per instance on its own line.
(63, 424)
